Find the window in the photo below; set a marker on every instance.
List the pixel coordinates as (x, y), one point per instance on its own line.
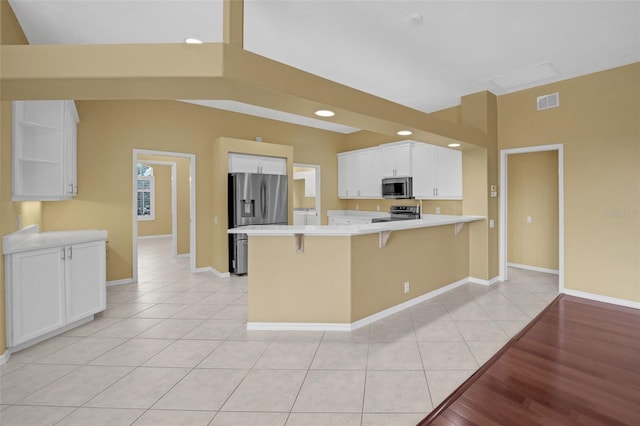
(146, 193)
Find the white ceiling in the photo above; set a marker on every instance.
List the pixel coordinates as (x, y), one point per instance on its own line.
(422, 54)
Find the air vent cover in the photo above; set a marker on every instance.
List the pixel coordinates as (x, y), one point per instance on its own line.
(548, 101)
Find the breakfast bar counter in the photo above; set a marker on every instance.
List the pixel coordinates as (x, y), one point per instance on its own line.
(345, 276)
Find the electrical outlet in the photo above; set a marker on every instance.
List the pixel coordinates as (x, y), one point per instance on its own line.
(215, 220)
(378, 208)
(492, 223)
(357, 206)
(437, 210)
(19, 221)
(406, 287)
(529, 219)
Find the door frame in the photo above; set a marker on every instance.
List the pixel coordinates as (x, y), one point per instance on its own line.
(504, 154)
(318, 187)
(192, 205)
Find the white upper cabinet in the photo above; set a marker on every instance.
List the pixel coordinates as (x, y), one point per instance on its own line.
(44, 150)
(245, 163)
(437, 173)
(359, 174)
(396, 159)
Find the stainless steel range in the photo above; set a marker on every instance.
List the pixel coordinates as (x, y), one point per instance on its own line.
(400, 213)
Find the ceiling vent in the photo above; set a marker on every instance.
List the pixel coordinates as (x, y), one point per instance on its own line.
(548, 101)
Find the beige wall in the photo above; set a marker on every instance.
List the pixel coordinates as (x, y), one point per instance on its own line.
(161, 224)
(109, 131)
(532, 191)
(597, 123)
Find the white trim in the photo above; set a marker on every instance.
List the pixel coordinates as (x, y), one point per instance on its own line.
(601, 298)
(214, 271)
(120, 282)
(183, 255)
(4, 358)
(192, 205)
(149, 237)
(533, 268)
(297, 326)
(502, 229)
(480, 281)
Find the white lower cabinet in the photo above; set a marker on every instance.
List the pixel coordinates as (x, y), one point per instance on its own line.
(50, 288)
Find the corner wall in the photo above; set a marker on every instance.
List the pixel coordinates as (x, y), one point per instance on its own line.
(598, 124)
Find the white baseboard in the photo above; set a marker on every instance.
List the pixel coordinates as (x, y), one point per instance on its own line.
(484, 282)
(150, 237)
(183, 255)
(214, 272)
(296, 326)
(534, 268)
(601, 298)
(4, 358)
(120, 282)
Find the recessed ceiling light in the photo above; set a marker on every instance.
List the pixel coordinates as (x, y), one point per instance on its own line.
(324, 113)
(453, 145)
(404, 132)
(192, 41)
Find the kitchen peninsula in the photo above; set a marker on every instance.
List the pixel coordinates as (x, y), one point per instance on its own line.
(343, 277)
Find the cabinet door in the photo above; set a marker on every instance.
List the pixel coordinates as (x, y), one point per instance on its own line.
(396, 160)
(369, 176)
(37, 294)
(310, 184)
(86, 279)
(449, 174)
(273, 165)
(299, 218)
(70, 148)
(425, 171)
(242, 163)
(347, 175)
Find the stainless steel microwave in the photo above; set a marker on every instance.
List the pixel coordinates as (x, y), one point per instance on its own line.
(397, 187)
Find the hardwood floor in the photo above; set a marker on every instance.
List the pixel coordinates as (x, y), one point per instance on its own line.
(577, 363)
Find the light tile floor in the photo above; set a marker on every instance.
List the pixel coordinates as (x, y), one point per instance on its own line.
(173, 349)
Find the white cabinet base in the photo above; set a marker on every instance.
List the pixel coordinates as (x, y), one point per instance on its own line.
(36, 340)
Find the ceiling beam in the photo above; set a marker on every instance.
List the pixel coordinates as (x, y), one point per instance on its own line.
(207, 71)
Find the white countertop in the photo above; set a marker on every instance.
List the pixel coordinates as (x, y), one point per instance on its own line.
(353, 230)
(30, 238)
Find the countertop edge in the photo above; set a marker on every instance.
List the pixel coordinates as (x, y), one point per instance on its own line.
(18, 242)
(351, 230)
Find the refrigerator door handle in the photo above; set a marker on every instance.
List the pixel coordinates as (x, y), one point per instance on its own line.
(263, 198)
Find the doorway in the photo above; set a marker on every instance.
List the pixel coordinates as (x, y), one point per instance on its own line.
(306, 194)
(517, 213)
(164, 158)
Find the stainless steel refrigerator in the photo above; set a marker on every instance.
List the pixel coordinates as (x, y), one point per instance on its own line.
(254, 199)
